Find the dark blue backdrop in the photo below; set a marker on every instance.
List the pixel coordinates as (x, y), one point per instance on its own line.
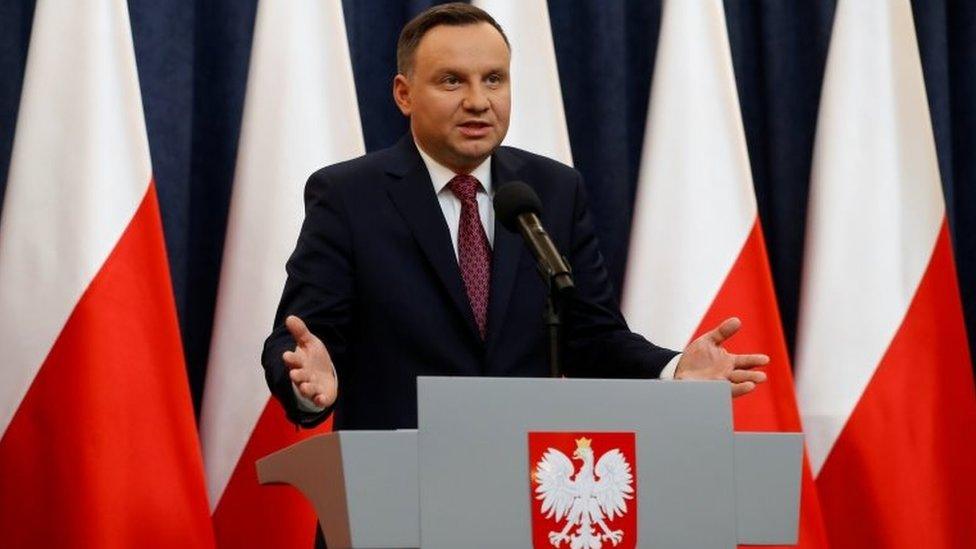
(193, 59)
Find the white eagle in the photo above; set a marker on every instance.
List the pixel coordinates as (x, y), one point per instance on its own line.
(592, 496)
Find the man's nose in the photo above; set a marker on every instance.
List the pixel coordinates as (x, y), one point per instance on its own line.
(476, 100)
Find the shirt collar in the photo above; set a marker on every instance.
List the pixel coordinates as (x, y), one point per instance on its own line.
(441, 175)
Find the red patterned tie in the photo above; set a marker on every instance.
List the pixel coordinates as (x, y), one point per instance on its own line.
(474, 252)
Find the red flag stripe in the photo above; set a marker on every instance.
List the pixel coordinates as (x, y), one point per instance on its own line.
(901, 474)
(102, 451)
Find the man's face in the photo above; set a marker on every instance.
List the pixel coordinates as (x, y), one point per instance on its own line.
(457, 96)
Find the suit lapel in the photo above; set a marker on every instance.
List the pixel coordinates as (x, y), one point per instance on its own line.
(506, 250)
(413, 195)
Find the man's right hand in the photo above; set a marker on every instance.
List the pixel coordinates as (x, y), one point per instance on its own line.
(310, 366)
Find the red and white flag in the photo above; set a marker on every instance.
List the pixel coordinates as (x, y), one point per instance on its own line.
(884, 375)
(538, 122)
(99, 445)
(697, 252)
(300, 114)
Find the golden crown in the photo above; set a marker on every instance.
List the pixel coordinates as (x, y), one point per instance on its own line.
(583, 442)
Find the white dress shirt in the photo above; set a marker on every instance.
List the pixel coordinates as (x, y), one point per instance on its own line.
(440, 176)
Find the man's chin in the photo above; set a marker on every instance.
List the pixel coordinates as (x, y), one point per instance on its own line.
(475, 152)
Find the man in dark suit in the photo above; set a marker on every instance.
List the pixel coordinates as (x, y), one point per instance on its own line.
(401, 269)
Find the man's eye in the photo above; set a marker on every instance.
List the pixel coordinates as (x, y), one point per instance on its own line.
(451, 80)
(494, 79)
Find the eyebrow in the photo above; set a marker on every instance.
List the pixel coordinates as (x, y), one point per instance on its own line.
(455, 71)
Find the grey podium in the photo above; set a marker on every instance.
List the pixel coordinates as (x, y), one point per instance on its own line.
(465, 477)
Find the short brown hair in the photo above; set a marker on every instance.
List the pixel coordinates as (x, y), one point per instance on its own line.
(455, 14)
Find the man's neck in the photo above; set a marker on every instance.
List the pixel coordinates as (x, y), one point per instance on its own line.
(441, 175)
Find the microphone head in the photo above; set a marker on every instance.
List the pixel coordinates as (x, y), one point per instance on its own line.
(514, 199)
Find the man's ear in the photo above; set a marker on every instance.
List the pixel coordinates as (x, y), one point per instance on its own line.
(401, 94)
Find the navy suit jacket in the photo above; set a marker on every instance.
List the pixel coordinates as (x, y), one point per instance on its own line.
(375, 276)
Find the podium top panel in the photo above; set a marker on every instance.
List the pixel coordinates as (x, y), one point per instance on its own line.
(475, 471)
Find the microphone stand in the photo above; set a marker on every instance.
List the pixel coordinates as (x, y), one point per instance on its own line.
(553, 320)
(552, 317)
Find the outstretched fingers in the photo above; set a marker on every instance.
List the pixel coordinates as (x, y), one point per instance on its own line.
(744, 380)
(739, 389)
(298, 330)
(742, 376)
(750, 361)
(299, 375)
(725, 330)
(292, 359)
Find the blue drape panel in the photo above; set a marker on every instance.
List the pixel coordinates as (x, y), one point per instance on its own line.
(605, 52)
(193, 58)
(15, 26)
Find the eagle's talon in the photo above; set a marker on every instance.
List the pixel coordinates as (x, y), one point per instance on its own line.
(557, 538)
(614, 537)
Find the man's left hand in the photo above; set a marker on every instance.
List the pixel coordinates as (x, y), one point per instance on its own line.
(704, 358)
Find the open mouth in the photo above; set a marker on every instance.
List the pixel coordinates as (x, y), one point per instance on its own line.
(475, 128)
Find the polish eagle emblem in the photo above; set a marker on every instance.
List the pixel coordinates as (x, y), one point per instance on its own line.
(586, 498)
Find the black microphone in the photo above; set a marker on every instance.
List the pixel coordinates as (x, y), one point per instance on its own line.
(517, 208)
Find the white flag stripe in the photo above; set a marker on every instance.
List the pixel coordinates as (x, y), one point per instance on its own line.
(300, 114)
(695, 203)
(538, 121)
(875, 211)
(78, 171)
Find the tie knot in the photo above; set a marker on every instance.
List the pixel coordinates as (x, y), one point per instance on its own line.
(465, 187)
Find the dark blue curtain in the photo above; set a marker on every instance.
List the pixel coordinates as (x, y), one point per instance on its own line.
(193, 59)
